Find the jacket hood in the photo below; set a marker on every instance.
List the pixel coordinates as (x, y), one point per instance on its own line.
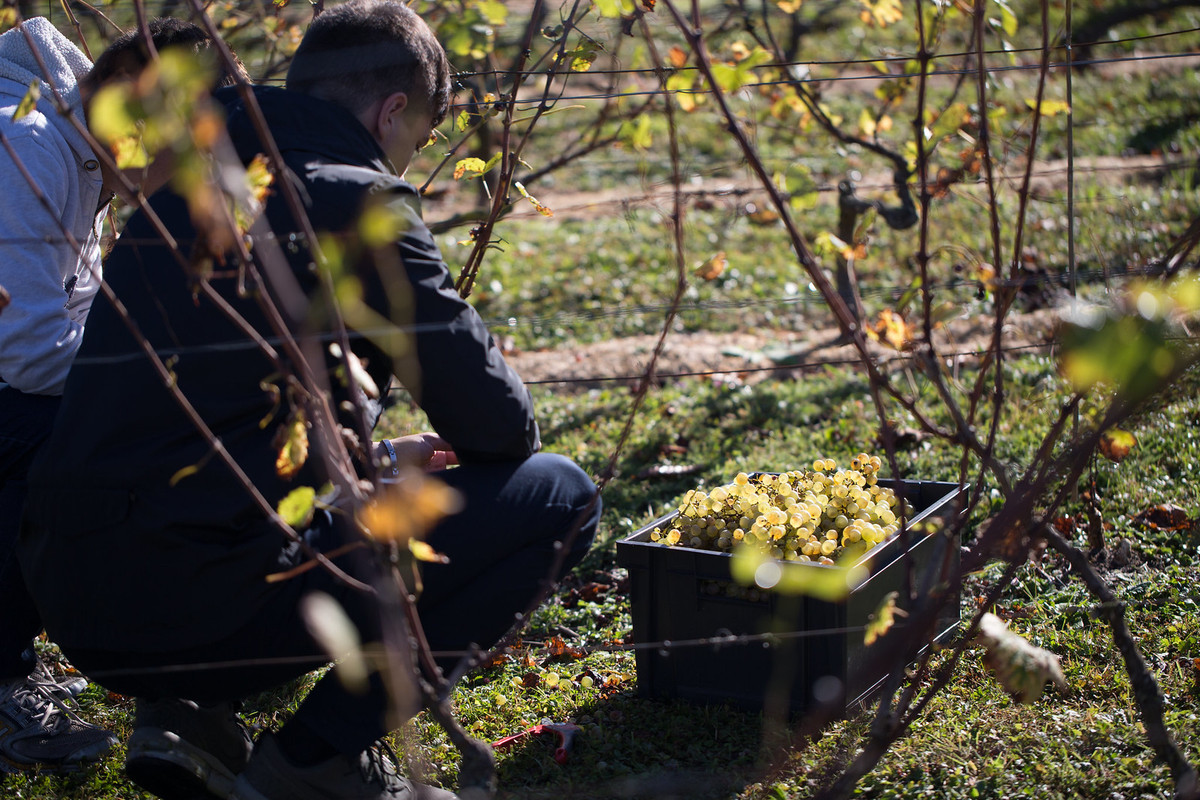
(65, 63)
(303, 123)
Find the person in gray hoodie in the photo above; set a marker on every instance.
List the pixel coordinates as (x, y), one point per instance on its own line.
(55, 192)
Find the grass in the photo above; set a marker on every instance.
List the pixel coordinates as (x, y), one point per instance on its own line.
(975, 742)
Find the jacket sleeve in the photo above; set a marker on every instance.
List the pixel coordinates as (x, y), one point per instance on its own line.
(448, 360)
(38, 337)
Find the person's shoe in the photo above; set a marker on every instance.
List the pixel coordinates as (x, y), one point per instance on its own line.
(183, 751)
(38, 731)
(370, 776)
(64, 687)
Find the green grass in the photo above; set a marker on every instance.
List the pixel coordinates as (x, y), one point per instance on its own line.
(975, 742)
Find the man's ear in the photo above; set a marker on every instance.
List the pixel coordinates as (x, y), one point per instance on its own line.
(390, 114)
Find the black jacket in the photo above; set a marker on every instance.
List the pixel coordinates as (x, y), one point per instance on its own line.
(116, 557)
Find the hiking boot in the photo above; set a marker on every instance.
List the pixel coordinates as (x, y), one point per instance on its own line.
(180, 750)
(370, 776)
(37, 730)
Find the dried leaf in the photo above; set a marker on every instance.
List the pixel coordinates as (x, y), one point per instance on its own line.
(1115, 444)
(761, 216)
(711, 270)
(1165, 517)
(1022, 668)
(543, 210)
(677, 56)
(557, 649)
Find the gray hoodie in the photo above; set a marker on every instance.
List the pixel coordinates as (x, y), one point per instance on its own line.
(51, 281)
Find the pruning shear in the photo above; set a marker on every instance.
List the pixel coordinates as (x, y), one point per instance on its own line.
(565, 731)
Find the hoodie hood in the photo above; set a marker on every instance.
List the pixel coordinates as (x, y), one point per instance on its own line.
(303, 124)
(64, 62)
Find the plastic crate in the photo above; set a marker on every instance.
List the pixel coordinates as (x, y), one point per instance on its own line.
(681, 593)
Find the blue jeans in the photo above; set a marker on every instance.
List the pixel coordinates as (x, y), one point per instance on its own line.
(501, 547)
(25, 422)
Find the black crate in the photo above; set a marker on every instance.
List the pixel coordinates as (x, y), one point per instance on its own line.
(679, 594)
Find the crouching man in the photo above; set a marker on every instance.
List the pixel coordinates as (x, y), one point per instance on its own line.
(160, 555)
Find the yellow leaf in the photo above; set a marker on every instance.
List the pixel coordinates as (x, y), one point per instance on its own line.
(296, 507)
(543, 210)
(883, 619)
(762, 216)
(711, 270)
(474, 166)
(408, 508)
(789, 6)
(1115, 444)
(866, 123)
(259, 177)
(892, 329)
(422, 551)
(185, 472)
(881, 12)
(129, 152)
(29, 101)
(292, 442)
(8, 18)
(1049, 108)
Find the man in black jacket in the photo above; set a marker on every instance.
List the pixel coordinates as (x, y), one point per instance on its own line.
(160, 554)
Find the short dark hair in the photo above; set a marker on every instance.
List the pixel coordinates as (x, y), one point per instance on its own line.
(127, 55)
(363, 50)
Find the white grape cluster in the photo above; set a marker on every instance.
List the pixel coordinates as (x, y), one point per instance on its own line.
(804, 515)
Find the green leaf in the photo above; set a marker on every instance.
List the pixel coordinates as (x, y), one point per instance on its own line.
(29, 101)
(494, 11)
(637, 134)
(731, 77)
(801, 187)
(613, 8)
(297, 507)
(752, 567)
(1125, 352)
(950, 121)
(1008, 20)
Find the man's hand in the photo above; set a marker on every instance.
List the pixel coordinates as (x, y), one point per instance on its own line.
(427, 451)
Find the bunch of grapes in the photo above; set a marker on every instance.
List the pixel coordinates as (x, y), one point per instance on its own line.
(804, 515)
